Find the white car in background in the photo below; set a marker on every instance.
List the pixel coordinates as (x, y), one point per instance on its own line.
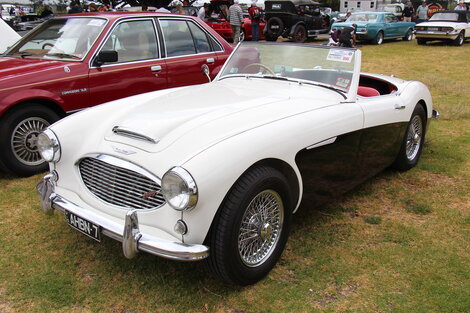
(453, 26)
(215, 171)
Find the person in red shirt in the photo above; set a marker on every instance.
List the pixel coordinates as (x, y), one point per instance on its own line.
(255, 17)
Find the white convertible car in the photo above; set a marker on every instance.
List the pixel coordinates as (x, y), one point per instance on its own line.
(453, 26)
(216, 170)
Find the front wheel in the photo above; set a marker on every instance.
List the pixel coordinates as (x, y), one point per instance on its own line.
(379, 39)
(300, 34)
(413, 141)
(19, 130)
(251, 228)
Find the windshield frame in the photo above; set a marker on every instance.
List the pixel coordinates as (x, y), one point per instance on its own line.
(437, 19)
(350, 95)
(34, 32)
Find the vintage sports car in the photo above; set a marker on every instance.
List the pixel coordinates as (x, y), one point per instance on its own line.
(218, 177)
(218, 21)
(77, 61)
(377, 26)
(453, 26)
(298, 20)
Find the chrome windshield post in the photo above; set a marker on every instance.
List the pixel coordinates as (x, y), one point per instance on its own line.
(131, 235)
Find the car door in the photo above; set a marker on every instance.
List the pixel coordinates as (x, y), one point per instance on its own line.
(385, 121)
(391, 26)
(188, 49)
(139, 67)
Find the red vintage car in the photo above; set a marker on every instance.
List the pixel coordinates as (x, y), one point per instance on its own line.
(218, 11)
(77, 61)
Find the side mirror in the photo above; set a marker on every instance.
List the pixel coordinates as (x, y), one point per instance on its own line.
(105, 57)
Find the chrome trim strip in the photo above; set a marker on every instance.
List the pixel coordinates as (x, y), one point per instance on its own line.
(147, 243)
(322, 143)
(135, 134)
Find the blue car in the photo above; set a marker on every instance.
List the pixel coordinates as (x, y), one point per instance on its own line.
(377, 26)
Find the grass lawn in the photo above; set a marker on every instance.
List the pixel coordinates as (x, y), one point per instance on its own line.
(398, 243)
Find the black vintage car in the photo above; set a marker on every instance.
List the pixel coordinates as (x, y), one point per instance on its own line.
(298, 20)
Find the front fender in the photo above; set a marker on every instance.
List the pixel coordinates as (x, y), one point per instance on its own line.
(21, 96)
(292, 29)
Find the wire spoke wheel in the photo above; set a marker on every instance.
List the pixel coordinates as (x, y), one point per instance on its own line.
(24, 140)
(260, 228)
(414, 137)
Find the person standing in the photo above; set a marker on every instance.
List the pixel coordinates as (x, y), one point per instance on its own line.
(255, 17)
(461, 6)
(235, 18)
(408, 12)
(203, 11)
(422, 12)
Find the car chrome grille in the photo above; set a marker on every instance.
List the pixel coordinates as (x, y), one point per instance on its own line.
(120, 186)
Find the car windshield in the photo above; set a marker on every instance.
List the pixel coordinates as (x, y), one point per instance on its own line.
(319, 65)
(451, 17)
(63, 38)
(361, 17)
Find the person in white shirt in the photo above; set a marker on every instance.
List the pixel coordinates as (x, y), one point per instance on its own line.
(203, 11)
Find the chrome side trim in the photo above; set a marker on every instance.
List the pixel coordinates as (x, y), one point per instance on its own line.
(132, 133)
(322, 143)
(139, 241)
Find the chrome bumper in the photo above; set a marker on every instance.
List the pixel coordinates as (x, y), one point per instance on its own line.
(132, 239)
(436, 35)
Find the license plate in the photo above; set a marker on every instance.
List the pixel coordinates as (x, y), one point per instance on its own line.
(433, 29)
(84, 226)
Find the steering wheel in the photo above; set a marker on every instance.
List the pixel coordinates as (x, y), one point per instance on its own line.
(259, 65)
(47, 44)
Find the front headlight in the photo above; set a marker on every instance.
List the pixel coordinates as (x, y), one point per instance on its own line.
(179, 189)
(48, 146)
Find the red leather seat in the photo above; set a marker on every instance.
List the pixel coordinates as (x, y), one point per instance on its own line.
(367, 92)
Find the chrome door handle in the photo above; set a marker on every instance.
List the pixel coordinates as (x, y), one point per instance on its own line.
(399, 107)
(210, 60)
(156, 68)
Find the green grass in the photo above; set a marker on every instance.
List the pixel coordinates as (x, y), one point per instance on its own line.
(398, 243)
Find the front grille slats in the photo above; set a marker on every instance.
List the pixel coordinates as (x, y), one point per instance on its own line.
(120, 186)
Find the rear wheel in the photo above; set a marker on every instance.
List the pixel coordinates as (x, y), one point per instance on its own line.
(408, 35)
(413, 141)
(421, 41)
(300, 34)
(379, 39)
(251, 228)
(460, 39)
(19, 130)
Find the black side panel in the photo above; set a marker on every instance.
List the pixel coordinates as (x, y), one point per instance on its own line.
(379, 147)
(329, 170)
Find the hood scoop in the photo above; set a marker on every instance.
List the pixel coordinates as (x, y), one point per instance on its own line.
(135, 134)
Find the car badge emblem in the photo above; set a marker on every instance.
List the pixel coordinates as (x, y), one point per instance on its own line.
(66, 69)
(123, 151)
(149, 194)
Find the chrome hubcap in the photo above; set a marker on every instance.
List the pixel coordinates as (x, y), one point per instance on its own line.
(260, 228)
(24, 140)
(413, 138)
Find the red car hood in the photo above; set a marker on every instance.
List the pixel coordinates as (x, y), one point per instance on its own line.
(18, 67)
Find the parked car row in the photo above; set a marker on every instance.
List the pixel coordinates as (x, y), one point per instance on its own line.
(73, 62)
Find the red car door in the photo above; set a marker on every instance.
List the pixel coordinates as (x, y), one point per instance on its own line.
(189, 49)
(139, 67)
